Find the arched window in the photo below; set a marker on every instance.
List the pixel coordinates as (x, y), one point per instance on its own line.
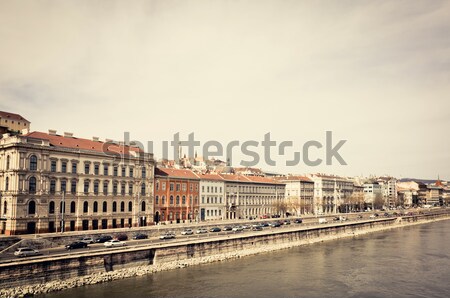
(6, 183)
(5, 207)
(8, 158)
(95, 207)
(122, 206)
(62, 207)
(51, 207)
(72, 207)
(105, 207)
(32, 185)
(32, 207)
(178, 200)
(143, 189)
(33, 163)
(85, 207)
(163, 200)
(144, 173)
(171, 200)
(130, 206)
(183, 200)
(143, 206)
(114, 206)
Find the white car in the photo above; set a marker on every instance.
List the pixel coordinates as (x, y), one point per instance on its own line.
(114, 243)
(202, 231)
(88, 240)
(237, 228)
(187, 232)
(26, 252)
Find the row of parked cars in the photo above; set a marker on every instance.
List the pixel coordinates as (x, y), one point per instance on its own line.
(107, 240)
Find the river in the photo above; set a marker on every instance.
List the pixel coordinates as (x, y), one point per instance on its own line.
(405, 262)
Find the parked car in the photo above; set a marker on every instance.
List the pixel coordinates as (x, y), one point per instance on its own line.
(257, 228)
(215, 229)
(26, 252)
(103, 239)
(140, 236)
(121, 237)
(237, 228)
(323, 220)
(227, 228)
(386, 214)
(201, 231)
(246, 227)
(114, 243)
(275, 224)
(286, 222)
(275, 216)
(187, 232)
(359, 216)
(76, 244)
(88, 240)
(342, 218)
(265, 224)
(298, 220)
(167, 235)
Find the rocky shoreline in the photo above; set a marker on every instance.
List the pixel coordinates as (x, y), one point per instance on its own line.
(31, 290)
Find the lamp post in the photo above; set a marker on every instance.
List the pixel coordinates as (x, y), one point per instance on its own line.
(63, 207)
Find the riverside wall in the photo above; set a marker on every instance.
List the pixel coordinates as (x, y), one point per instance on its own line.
(25, 277)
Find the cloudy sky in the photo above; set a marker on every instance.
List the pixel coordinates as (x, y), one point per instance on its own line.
(376, 73)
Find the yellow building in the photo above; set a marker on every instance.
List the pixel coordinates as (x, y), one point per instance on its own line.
(51, 182)
(13, 122)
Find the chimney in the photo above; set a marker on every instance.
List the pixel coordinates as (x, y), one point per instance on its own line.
(95, 139)
(109, 141)
(52, 132)
(68, 135)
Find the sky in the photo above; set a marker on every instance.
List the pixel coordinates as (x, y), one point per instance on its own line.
(374, 73)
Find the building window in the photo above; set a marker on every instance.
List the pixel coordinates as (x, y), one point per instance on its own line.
(96, 187)
(73, 187)
(122, 206)
(96, 169)
(157, 185)
(131, 172)
(115, 171)
(122, 188)
(115, 188)
(130, 206)
(171, 186)
(123, 171)
(7, 162)
(33, 163)
(5, 207)
(64, 167)
(143, 206)
(183, 200)
(85, 207)
(156, 200)
(87, 167)
(105, 188)
(114, 207)
(86, 186)
(184, 187)
(143, 189)
(74, 167)
(6, 183)
(163, 200)
(63, 185)
(178, 187)
(191, 187)
(53, 166)
(105, 170)
(178, 200)
(51, 207)
(72, 207)
(105, 207)
(95, 208)
(144, 173)
(130, 188)
(32, 185)
(171, 200)
(163, 185)
(52, 186)
(32, 207)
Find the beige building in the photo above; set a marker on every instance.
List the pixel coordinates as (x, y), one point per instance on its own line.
(13, 122)
(299, 194)
(51, 182)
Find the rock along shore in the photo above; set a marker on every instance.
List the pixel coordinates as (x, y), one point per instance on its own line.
(31, 290)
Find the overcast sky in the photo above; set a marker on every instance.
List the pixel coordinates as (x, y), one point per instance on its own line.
(376, 73)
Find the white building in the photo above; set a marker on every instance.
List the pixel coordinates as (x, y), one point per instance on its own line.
(212, 197)
(373, 195)
(299, 193)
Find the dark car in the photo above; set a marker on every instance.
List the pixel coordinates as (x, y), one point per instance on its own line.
(103, 239)
(121, 237)
(286, 222)
(140, 236)
(215, 229)
(265, 224)
(77, 244)
(298, 220)
(275, 224)
(257, 228)
(227, 228)
(386, 214)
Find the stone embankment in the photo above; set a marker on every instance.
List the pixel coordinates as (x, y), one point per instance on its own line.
(101, 277)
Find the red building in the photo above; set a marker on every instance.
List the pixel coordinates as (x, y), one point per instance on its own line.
(176, 195)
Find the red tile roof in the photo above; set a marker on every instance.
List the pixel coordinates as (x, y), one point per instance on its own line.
(294, 178)
(250, 179)
(83, 144)
(176, 173)
(12, 116)
(211, 177)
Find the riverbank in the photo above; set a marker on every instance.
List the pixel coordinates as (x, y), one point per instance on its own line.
(101, 277)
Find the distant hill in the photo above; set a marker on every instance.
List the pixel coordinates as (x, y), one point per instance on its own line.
(426, 181)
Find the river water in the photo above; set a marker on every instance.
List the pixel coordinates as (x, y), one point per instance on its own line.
(406, 262)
